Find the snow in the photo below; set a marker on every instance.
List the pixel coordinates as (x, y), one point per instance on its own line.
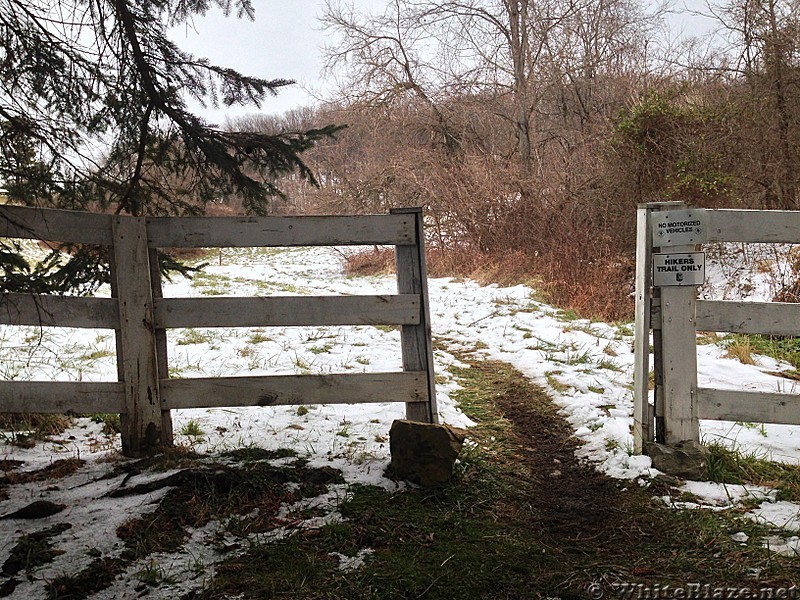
(726, 494)
(585, 366)
(348, 564)
(780, 515)
(786, 546)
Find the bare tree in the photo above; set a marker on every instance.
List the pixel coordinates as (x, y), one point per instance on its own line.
(382, 59)
(752, 60)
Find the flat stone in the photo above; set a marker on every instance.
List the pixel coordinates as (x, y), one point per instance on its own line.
(687, 459)
(424, 453)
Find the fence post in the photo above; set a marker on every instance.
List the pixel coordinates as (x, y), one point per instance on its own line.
(417, 349)
(136, 349)
(677, 355)
(162, 360)
(642, 411)
(679, 352)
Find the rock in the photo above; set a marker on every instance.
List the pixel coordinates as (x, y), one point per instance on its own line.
(424, 453)
(687, 459)
(668, 480)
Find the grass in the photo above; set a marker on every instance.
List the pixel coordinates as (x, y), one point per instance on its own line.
(258, 337)
(567, 315)
(609, 364)
(192, 429)
(230, 493)
(421, 546)
(33, 550)
(740, 348)
(743, 346)
(301, 364)
(25, 429)
(554, 383)
(481, 535)
(211, 284)
(217, 493)
(623, 331)
(726, 465)
(94, 354)
(707, 338)
(153, 574)
(194, 336)
(578, 357)
(587, 328)
(111, 422)
(97, 575)
(322, 349)
(486, 534)
(255, 454)
(426, 543)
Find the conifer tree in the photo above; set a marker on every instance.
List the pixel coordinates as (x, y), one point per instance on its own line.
(94, 114)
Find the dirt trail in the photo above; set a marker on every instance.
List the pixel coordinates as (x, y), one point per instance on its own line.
(571, 499)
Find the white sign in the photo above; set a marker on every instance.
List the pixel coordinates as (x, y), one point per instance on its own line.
(679, 227)
(684, 268)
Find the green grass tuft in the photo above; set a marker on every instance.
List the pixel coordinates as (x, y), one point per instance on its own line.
(786, 349)
(727, 465)
(192, 429)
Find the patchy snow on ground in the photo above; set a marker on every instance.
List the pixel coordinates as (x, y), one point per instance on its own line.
(781, 515)
(725, 494)
(585, 366)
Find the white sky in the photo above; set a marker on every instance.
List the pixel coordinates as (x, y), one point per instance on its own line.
(286, 41)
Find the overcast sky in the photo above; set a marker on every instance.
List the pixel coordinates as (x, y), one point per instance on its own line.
(284, 41)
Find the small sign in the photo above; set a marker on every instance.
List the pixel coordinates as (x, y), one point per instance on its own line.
(683, 268)
(679, 227)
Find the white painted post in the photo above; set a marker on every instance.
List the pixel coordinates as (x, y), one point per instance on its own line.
(642, 410)
(136, 349)
(412, 278)
(679, 356)
(679, 345)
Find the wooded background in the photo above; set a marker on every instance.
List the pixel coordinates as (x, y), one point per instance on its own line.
(530, 130)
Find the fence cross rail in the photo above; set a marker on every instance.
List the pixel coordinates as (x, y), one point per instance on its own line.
(144, 394)
(674, 315)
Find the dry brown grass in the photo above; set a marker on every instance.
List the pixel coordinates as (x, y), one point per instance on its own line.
(567, 279)
(592, 289)
(56, 470)
(378, 261)
(508, 268)
(742, 350)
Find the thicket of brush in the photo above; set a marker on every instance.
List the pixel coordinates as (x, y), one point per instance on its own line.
(531, 158)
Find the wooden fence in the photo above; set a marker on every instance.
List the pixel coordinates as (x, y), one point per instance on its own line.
(674, 315)
(144, 393)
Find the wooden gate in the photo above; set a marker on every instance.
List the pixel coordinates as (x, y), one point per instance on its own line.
(670, 310)
(144, 393)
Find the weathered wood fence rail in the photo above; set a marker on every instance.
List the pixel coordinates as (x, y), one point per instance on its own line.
(674, 315)
(144, 394)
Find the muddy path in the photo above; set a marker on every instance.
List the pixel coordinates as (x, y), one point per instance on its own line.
(609, 533)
